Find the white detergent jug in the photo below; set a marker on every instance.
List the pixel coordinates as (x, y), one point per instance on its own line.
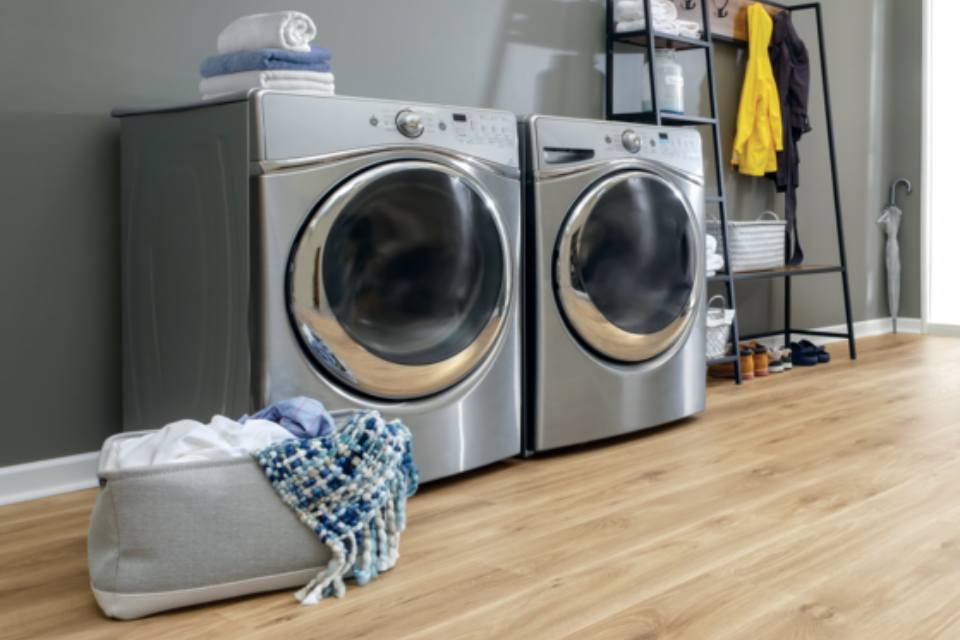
(669, 74)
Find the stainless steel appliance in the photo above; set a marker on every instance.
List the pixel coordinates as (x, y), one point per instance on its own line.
(363, 252)
(615, 278)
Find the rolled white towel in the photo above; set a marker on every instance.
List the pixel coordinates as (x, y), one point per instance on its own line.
(633, 9)
(291, 30)
(660, 26)
(668, 9)
(231, 83)
(688, 28)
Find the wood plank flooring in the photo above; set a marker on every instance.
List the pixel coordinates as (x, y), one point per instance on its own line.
(820, 503)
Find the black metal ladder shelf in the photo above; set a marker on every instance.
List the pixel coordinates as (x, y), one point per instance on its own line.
(641, 38)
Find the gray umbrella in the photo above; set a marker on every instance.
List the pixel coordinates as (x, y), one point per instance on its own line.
(890, 219)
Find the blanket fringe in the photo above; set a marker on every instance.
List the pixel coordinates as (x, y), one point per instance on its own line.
(350, 560)
(359, 513)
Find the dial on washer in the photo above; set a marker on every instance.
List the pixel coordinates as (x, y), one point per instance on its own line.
(409, 123)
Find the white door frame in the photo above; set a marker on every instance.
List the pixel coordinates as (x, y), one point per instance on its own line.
(926, 180)
(925, 162)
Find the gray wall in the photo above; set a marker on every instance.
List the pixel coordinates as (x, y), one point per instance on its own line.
(59, 241)
(902, 130)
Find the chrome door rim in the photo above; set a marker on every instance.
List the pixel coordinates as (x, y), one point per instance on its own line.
(582, 314)
(349, 361)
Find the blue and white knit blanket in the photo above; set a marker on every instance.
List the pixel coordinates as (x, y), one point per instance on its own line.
(351, 489)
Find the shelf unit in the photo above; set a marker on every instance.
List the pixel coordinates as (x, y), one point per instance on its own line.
(641, 38)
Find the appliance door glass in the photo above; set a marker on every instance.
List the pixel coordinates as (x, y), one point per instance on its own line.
(628, 267)
(398, 284)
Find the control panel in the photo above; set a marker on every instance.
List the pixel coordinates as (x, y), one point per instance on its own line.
(653, 142)
(474, 128)
(593, 140)
(302, 126)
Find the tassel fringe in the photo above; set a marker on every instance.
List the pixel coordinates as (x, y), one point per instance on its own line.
(351, 489)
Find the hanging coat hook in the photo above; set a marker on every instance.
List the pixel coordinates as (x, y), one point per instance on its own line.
(893, 189)
(722, 8)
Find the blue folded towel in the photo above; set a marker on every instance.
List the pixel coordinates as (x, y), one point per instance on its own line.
(317, 59)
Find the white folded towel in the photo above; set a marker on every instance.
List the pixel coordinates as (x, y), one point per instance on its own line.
(291, 30)
(315, 81)
(666, 26)
(711, 244)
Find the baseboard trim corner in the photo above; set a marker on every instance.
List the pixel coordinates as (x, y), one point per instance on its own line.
(32, 480)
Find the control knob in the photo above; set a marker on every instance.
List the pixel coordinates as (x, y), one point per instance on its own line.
(631, 141)
(409, 124)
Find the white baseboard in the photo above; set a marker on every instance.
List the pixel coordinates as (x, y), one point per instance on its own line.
(44, 478)
(947, 330)
(861, 329)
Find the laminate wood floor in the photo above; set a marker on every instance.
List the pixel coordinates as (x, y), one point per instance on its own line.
(820, 503)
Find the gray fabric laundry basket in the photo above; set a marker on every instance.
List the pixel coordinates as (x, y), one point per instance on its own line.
(182, 534)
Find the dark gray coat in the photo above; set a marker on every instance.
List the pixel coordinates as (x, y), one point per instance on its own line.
(791, 69)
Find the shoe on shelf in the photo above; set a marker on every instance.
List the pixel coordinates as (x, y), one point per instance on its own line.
(822, 354)
(761, 359)
(804, 356)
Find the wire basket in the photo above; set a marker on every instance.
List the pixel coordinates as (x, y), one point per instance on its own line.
(754, 244)
(719, 321)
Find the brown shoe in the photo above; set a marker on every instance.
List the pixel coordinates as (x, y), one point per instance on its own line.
(728, 371)
(761, 359)
(746, 363)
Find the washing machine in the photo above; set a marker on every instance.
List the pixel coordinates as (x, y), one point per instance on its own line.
(362, 252)
(615, 278)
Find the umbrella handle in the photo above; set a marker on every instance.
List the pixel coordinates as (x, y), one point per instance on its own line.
(893, 189)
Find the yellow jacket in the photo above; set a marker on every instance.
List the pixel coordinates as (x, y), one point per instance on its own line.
(759, 123)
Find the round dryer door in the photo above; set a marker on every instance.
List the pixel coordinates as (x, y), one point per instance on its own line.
(399, 283)
(627, 266)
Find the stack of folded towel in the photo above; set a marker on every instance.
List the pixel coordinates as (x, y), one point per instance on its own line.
(629, 16)
(269, 51)
(714, 258)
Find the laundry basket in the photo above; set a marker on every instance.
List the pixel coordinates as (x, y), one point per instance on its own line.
(719, 321)
(754, 244)
(180, 534)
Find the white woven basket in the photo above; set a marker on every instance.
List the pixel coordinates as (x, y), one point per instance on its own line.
(719, 321)
(755, 244)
